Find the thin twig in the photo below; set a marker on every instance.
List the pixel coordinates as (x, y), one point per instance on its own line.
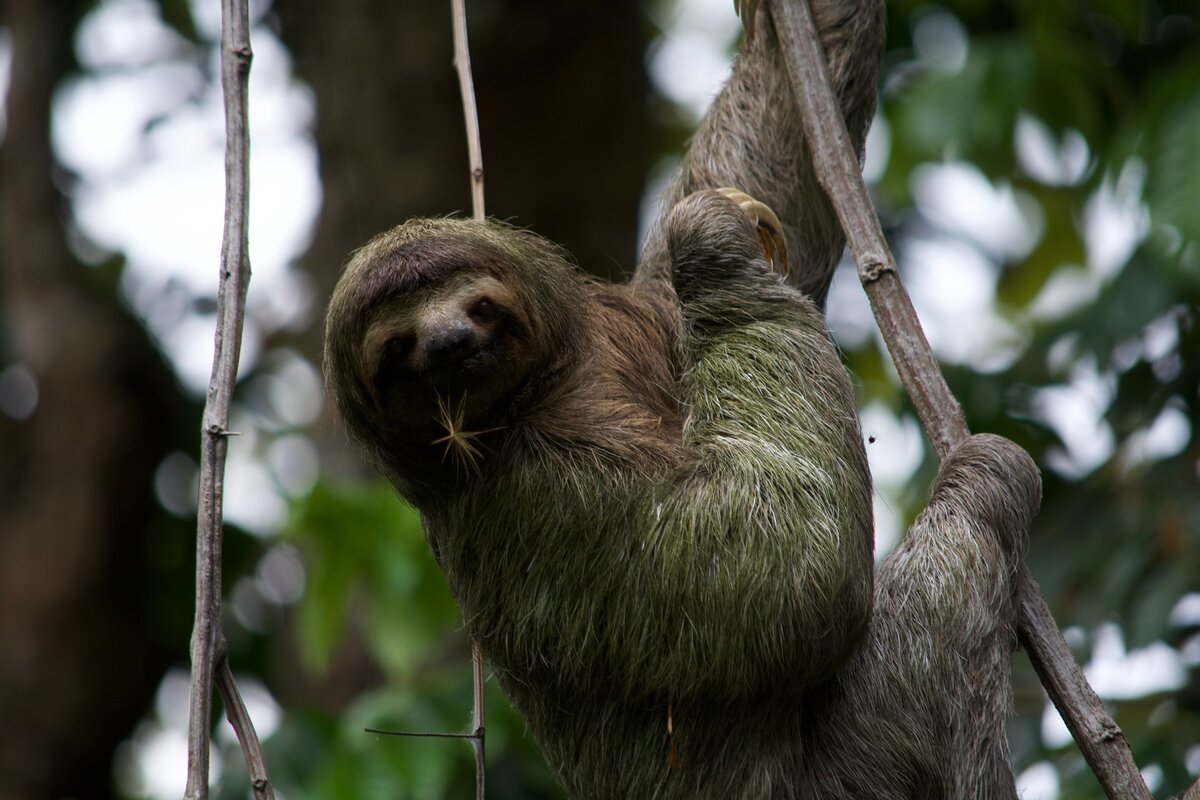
(243, 726)
(479, 732)
(462, 62)
(1098, 737)
(231, 303)
(422, 734)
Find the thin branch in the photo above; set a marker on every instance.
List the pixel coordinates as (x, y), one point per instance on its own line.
(479, 732)
(462, 61)
(239, 718)
(839, 174)
(1098, 737)
(231, 303)
(1193, 792)
(1097, 734)
(422, 734)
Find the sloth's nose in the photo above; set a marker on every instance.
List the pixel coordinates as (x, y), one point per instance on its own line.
(449, 346)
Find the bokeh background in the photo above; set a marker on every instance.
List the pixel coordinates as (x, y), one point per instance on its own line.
(1036, 168)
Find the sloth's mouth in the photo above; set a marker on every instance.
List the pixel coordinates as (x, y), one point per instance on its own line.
(461, 376)
(468, 371)
(470, 387)
(472, 381)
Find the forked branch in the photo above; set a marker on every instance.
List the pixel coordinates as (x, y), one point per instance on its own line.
(207, 649)
(1098, 736)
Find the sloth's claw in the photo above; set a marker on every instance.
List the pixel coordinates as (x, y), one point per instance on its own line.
(746, 10)
(768, 226)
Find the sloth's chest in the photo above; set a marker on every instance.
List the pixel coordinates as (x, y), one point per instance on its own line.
(536, 566)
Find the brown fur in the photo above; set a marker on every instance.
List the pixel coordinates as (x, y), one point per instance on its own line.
(664, 518)
(589, 365)
(663, 541)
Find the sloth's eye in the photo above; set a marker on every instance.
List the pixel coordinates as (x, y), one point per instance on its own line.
(483, 310)
(398, 346)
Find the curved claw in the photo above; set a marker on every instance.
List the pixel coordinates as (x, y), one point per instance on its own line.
(768, 226)
(747, 10)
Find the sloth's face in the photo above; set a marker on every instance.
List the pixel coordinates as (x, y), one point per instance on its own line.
(460, 344)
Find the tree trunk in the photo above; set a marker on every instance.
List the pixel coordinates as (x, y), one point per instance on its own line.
(563, 103)
(76, 475)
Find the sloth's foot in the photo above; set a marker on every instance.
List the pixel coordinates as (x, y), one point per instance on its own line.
(767, 225)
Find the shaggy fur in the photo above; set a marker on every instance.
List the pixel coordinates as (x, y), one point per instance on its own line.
(651, 501)
(729, 504)
(752, 138)
(920, 711)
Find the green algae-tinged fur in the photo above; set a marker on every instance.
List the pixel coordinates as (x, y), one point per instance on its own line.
(651, 501)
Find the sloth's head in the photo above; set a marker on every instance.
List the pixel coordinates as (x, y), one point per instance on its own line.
(440, 314)
(463, 338)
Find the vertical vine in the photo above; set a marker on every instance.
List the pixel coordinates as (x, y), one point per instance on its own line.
(208, 652)
(462, 63)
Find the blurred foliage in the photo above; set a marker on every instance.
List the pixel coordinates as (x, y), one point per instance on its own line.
(1124, 76)
(369, 570)
(360, 542)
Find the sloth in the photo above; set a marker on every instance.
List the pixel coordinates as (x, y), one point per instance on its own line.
(651, 500)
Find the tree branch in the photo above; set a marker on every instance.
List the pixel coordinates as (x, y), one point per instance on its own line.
(1098, 736)
(231, 305)
(462, 62)
(239, 718)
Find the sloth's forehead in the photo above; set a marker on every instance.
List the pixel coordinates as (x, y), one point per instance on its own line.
(406, 309)
(433, 263)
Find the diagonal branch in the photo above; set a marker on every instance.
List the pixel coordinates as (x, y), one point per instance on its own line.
(1098, 736)
(239, 718)
(207, 649)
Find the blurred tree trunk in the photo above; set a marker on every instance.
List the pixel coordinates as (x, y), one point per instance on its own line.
(76, 499)
(563, 102)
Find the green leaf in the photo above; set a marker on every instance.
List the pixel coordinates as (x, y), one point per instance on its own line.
(1174, 170)
(365, 547)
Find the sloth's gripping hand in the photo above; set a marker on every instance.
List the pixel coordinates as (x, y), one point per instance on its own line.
(766, 225)
(728, 252)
